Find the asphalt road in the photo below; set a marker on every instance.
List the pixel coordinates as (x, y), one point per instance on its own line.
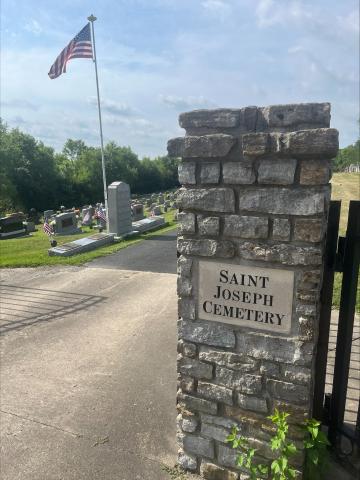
(155, 254)
(88, 368)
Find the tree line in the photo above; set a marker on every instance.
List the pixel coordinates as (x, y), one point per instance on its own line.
(347, 156)
(33, 175)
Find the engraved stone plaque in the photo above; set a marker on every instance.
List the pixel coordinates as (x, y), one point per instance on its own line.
(258, 298)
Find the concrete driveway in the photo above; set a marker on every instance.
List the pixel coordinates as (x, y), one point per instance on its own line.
(88, 368)
(88, 372)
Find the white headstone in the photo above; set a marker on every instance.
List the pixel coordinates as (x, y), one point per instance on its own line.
(119, 208)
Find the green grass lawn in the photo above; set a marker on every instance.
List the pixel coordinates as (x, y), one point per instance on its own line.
(32, 250)
(337, 293)
(345, 187)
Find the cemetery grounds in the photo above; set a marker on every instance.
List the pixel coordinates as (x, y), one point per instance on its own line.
(31, 251)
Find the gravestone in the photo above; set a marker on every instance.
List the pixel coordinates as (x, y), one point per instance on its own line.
(119, 209)
(147, 224)
(66, 224)
(48, 214)
(87, 214)
(33, 216)
(254, 207)
(29, 226)
(156, 210)
(81, 245)
(12, 226)
(137, 212)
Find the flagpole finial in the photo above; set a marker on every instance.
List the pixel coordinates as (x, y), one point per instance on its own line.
(92, 18)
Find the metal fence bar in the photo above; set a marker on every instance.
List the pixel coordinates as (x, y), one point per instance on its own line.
(325, 311)
(346, 322)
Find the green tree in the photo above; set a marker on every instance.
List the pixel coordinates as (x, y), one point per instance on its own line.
(168, 169)
(28, 171)
(149, 179)
(73, 149)
(32, 175)
(347, 156)
(121, 164)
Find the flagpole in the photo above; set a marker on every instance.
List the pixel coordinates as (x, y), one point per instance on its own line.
(92, 19)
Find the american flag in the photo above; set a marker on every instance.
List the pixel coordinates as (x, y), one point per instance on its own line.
(101, 215)
(79, 47)
(48, 228)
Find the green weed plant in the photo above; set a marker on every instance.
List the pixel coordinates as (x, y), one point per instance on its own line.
(315, 445)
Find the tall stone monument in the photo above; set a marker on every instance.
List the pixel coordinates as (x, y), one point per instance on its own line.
(254, 203)
(119, 208)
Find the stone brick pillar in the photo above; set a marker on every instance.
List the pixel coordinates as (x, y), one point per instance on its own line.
(254, 204)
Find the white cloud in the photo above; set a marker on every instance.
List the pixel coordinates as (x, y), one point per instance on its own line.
(307, 17)
(18, 120)
(349, 22)
(218, 8)
(20, 103)
(272, 12)
(327, 70)
(185, 102)
(296, 49)
(265, 14)
(115, 108)
(33, 26)
(116, 55)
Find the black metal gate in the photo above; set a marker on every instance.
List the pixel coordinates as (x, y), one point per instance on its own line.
(342, 255)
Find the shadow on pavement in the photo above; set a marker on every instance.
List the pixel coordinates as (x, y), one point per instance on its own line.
(24, 306)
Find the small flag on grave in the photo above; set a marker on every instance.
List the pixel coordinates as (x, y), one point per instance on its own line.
(101, 215)
(48, 228)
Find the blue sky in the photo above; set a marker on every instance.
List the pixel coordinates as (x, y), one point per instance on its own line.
(158, 58)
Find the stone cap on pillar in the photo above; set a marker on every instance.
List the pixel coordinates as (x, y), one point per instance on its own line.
(299, 130)
(283, 118)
